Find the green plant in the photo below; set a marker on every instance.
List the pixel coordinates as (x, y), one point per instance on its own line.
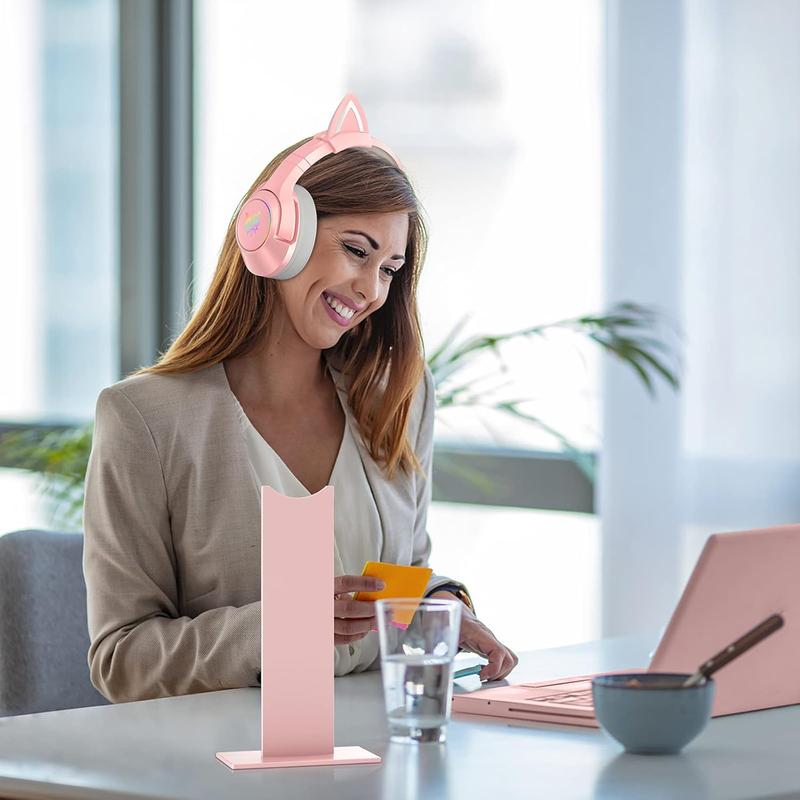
(625, 331)
(59, 458)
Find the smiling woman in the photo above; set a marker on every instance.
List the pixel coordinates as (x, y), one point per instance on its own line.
(317, 378)
(368, 254)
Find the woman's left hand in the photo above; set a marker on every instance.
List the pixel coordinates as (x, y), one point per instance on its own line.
(477, 638)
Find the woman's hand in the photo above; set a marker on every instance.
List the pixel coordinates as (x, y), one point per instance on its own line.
(353, 619)
(477, 638)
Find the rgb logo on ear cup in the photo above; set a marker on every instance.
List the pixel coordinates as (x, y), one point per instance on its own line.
(251, 223)
(252, 227)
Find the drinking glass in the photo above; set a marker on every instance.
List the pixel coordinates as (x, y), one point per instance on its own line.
(418, 641)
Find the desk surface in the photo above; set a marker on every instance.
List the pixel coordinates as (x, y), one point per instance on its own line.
(165, 749)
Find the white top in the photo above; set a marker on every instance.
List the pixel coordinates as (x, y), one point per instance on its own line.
(357, 526)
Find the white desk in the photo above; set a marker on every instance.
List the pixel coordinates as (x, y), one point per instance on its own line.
(165, 749)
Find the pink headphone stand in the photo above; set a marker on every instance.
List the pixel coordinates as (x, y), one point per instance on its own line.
(296, 638)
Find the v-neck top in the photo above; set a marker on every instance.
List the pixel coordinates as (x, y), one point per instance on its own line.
(172, 520)
(357, 525)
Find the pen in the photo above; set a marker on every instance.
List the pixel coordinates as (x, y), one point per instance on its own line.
(468, 671)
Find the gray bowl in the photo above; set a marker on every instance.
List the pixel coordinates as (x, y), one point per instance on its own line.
(657, 716)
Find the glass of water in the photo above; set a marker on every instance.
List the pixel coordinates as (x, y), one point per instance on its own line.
(419, 640)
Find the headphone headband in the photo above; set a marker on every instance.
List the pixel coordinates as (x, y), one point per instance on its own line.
(276, 226)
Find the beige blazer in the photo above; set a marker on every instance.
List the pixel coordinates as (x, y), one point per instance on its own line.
(172, 533)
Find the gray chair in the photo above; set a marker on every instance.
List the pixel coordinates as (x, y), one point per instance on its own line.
(44, 638)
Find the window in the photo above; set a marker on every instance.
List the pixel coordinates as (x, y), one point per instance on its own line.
(510, 178)
(500, 128)
(58, 222)
(58, 225)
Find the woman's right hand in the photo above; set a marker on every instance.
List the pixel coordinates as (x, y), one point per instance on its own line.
(353, 619)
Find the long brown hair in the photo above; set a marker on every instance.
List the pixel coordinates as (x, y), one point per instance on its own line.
(384, 355)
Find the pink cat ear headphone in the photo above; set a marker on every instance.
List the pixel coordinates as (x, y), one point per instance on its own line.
(277, 226)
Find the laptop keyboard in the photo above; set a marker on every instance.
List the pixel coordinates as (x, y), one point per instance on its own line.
(567, 698)
(562, 693)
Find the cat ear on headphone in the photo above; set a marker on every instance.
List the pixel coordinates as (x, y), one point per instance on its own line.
(348, 117)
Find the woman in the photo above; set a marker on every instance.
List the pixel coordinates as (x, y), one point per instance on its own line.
(269, 384)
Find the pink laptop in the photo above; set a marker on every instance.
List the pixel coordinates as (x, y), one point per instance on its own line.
(739, 580)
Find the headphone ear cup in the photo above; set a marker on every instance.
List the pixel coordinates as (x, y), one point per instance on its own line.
(306, 234)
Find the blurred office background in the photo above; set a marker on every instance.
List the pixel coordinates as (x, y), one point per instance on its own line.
(569, 154)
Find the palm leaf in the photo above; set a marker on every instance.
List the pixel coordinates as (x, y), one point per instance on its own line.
(625, 331)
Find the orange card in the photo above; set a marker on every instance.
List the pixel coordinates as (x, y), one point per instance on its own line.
(401, 581)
